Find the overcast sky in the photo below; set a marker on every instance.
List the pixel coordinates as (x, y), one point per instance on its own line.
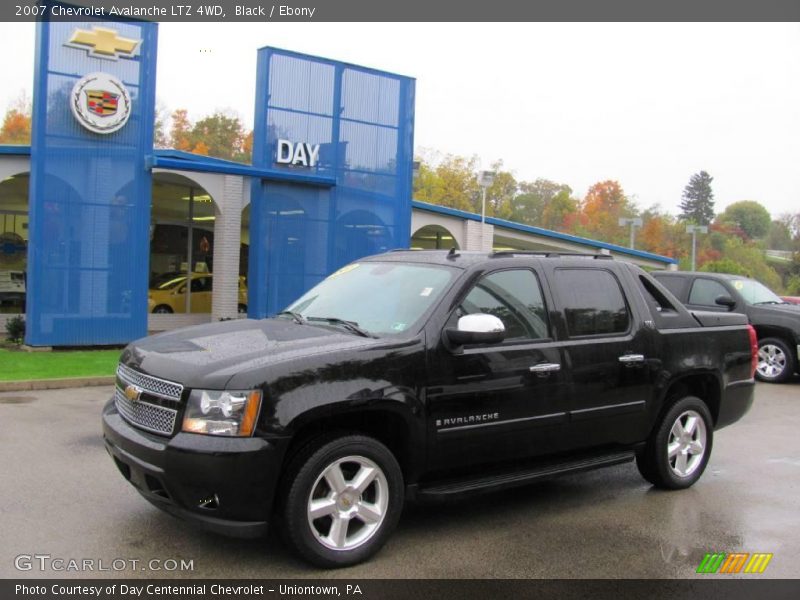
(645, 104)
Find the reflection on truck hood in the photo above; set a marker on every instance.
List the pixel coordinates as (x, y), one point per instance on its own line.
(208, 356)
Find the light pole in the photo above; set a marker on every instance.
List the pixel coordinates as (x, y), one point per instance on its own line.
(634, 223)
(485, 181)
(694, 230)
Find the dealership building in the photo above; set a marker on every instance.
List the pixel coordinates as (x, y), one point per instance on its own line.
(103, 238)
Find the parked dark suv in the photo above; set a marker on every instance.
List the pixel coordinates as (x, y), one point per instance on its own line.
(776, 321)
(423, 375)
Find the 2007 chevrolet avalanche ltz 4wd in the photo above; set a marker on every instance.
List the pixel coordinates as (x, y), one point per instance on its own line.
(424, 375)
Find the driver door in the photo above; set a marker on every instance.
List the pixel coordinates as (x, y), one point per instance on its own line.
(490, 403)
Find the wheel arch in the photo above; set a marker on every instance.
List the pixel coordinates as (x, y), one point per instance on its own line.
(774, 331)
(704, 384)
(394, 428)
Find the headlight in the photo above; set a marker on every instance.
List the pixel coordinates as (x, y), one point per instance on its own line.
(230, 413)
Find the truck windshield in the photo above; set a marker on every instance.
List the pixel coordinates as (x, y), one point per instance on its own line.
(381, 298)
(755, 293)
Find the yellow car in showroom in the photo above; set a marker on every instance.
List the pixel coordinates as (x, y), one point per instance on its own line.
(167, 294)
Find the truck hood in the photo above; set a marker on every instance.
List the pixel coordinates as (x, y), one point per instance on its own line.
(207, 356)
(786, 316)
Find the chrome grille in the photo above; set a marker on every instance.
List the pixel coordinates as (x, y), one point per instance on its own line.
(149, 384)
(145, 415)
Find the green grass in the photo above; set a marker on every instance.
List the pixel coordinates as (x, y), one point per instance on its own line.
(15, 365)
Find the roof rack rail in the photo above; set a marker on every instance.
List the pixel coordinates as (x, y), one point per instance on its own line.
(542, 253)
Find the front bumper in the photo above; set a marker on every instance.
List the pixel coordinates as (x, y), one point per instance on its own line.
(225, 485)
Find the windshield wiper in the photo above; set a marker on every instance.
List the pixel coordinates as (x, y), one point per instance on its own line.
(296, 316)
(351, 326)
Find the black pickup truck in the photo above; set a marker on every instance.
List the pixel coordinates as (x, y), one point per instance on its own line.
(777, 322)
(424, 376)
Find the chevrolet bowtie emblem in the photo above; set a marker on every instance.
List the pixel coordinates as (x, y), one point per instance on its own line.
(103, 43)
(132, 393)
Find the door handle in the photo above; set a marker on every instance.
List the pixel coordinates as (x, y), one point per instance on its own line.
(542, 369)
(631, 358)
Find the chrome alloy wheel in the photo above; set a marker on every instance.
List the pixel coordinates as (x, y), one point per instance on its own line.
(771, 361)
(687, 443)
(348, 503)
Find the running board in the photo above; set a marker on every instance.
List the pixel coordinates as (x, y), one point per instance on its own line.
(455, 488)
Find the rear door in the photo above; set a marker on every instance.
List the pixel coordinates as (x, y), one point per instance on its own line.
(608, 352)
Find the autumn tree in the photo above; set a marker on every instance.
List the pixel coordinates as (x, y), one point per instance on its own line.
(16, 128)
(180, 136)
(697, 202)
(604, 204)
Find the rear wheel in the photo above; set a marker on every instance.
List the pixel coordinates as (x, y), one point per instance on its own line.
(162, 309)
(341, 500)
(679, 448)
(775, 361)
(242, 309)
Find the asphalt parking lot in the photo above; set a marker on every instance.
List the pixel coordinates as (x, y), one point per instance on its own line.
(63, 497)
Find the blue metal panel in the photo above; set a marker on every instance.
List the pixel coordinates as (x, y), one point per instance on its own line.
(89, 196)
(363, 120)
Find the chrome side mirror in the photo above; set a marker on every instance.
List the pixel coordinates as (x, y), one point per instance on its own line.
(478, 328)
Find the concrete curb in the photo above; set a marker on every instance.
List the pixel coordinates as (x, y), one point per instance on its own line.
(54, 384)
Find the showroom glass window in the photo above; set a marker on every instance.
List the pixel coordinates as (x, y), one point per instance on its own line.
(13, 243)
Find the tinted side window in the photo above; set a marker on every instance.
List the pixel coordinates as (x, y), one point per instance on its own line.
(593, 302)
(706, 291)
(512, 296)
(676, 285)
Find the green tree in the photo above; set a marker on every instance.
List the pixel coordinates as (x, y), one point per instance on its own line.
(724, 265)
(779, 236)
(531, 204)
(500, 195)
(559, 209)
(750, 216)
(697, 202)
(452, 182)
(222, 135)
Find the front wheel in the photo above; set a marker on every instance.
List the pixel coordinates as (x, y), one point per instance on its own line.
(342, 499)
(775, 361)
(679, 448)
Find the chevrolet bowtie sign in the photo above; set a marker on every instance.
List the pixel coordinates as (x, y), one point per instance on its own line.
(101, 42)
(297, 153)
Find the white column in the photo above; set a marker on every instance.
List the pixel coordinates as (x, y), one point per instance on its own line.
(478, 236)
(227, 233)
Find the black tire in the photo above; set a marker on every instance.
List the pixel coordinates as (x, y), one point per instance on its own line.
(242, 309)
(314, 539)
(776, 362)
(663, 471)
(162, 309)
